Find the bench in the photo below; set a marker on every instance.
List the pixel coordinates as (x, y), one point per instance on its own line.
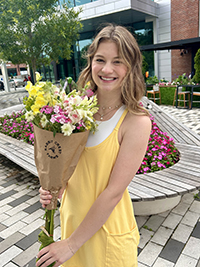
(160, 191)
(151, 193)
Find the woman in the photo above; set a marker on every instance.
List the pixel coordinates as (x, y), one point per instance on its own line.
(97, 221)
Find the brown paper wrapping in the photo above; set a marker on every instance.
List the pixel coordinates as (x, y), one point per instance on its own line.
(56, 159)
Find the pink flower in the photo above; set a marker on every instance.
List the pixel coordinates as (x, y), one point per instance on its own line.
(89, 92)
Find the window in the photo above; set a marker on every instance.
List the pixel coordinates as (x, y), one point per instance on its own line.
(75, 2)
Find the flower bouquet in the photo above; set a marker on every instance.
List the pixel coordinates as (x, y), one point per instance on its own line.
(61, 125)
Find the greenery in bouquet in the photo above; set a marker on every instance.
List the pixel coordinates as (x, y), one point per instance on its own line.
(51, 108)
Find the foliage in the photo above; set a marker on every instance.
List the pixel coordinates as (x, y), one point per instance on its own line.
(82, 58)
(50, 108)
(182, 79)
(145, 66)
(37, 31)
(161, 151)
(197, 67)
(152, 80)
(163, 80)
(167, 95)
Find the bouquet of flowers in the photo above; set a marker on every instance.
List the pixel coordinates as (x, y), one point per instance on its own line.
(61, 123)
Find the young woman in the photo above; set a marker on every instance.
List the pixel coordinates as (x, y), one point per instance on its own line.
(97, 221)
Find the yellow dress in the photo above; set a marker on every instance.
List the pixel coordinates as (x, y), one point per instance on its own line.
(115, 244)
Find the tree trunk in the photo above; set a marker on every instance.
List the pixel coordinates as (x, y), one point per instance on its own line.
(34, 69)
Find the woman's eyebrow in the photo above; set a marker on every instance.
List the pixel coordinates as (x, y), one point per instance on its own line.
(98, 55)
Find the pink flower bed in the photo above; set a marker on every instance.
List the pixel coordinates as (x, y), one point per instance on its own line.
(17, 127)
(161, 152)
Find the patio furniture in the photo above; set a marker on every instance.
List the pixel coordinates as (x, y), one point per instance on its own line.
(194, 94)
(155, 93)
(180, 94)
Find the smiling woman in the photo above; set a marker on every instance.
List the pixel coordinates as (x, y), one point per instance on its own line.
(97, 221)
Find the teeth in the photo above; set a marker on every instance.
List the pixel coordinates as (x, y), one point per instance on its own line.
(107, 79)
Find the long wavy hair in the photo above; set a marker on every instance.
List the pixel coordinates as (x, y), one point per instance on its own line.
(132, 87)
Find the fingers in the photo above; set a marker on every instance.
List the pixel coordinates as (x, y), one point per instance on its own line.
(61, 192)
(45, 197)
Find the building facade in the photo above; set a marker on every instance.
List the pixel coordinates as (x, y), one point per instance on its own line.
(15, 70)
(151, 22)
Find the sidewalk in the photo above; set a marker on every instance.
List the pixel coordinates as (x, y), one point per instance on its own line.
(170, 239)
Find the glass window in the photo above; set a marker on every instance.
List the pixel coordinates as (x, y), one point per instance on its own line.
(82, 49)
(12, 72)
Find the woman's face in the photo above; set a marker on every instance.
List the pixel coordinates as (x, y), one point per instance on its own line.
(108, 69)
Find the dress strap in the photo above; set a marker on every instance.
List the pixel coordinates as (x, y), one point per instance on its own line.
(121, 119)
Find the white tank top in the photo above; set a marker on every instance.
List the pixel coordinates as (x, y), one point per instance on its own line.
(104, 129)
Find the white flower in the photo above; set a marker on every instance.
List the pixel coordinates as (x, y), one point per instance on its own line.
(67, 129)
(74, 116)
(29, 116)
(75, 100)
(44, 121)
(82, 113)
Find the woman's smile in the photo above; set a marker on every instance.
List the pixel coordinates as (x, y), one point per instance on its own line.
(107, 78)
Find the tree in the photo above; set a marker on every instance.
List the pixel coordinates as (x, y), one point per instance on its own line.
(197, 67)
(37, 31)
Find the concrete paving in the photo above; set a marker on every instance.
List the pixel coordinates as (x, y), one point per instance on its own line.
(170, 239)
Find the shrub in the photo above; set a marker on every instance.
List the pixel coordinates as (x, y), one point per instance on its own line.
(197, 67)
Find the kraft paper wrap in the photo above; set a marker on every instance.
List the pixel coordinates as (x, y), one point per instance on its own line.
(56, 159)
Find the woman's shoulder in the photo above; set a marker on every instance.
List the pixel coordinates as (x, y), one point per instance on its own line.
(136, 122)
(133, 118)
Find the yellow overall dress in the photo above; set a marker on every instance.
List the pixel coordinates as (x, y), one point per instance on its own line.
(115, 244)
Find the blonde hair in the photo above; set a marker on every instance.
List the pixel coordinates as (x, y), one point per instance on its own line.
(132, 87)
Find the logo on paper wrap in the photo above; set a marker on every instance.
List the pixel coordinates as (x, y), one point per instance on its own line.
(53, 149)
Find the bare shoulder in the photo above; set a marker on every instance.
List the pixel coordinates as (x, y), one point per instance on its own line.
(135, 126)
(133, 121)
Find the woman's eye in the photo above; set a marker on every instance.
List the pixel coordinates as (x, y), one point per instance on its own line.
(99, 60)
(117, 62)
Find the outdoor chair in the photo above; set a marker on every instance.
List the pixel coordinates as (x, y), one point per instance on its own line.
(184, 94)
(154, 94)
(196, 101)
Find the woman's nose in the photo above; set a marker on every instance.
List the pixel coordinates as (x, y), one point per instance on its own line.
(107, 68)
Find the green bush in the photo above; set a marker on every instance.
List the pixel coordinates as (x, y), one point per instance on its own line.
(197, 67)
(167, 95)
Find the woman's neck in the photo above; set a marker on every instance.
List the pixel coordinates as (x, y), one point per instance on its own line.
(108, 105)
(108, 100)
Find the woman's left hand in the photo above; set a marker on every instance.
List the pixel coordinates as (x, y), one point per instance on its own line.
(57, 252)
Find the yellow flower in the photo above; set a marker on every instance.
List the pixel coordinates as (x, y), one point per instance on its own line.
(88, 84)
(40, 101)
(28, 86)
(38, 77)
(88, 125)
(35, 109)
(33, 91)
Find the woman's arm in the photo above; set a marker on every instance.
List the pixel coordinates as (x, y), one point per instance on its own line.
(135, 135)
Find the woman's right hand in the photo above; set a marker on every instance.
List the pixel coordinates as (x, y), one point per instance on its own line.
(45, 197)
